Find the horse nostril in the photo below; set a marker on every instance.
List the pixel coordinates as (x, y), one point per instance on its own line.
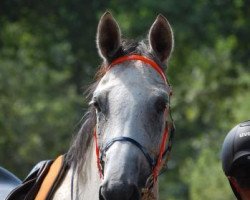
(121, 191)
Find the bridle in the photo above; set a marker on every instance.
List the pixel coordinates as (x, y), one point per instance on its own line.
(166, 142)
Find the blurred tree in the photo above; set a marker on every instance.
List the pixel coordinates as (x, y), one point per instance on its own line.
(38, 106)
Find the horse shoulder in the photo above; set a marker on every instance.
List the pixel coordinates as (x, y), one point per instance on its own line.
(64, 190)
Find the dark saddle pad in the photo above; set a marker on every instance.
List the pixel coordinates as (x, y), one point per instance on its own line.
(8, 182)
(13, 188)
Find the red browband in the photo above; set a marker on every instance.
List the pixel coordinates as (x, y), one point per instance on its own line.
(141, 58)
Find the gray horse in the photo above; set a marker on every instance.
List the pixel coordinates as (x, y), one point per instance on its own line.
(129, 100)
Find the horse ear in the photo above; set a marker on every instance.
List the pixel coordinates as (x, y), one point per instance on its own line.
(161, 38)
(108, 37)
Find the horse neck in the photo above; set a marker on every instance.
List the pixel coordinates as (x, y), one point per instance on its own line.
(86, 182)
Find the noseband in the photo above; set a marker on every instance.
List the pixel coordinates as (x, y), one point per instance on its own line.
(166, 142)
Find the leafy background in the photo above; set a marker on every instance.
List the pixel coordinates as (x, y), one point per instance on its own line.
(48, 57)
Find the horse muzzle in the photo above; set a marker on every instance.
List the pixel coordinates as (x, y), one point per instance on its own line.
(111, 190)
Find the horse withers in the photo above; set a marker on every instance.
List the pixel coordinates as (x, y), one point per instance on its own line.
(126, 136)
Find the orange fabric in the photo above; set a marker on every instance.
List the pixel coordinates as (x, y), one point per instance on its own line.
(50, 179)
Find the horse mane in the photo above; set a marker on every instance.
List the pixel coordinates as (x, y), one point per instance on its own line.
(76, 155)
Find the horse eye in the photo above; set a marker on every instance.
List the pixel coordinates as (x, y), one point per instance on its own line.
(160, 105)
(96, 105)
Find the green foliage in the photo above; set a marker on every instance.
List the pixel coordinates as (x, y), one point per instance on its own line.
(205, 177)
(48, 56)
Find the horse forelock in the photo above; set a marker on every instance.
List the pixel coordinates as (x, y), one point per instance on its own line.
(129, 47)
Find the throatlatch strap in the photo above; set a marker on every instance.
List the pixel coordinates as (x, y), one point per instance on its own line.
(162, 149)
(50, 179)
(97, 151)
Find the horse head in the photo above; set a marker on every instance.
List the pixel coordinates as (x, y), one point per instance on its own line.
(131, 101)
